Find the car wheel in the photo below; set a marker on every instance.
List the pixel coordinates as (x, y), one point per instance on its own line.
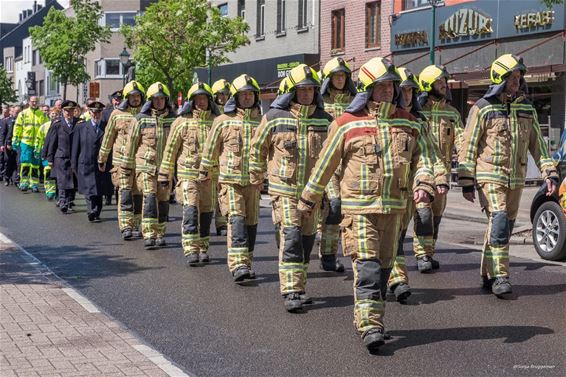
(549, 231)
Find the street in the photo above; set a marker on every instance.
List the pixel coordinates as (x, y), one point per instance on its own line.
(208, 326)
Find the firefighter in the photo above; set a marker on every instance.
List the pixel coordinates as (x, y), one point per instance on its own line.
(337, 92)
(287, 145)
(378, 146)
(423, 222)
(221, 93)
(445, 130)
(116, 136)
(25, 131)
(58, 152)
(183, 150)
(228, 146)
(502, 128)
(144, 153)
(49, 183)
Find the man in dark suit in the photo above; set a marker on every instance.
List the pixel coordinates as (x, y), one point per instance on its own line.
(3, 132)
(115, 100)
(92, 183)
(60, 139)
(12, 171)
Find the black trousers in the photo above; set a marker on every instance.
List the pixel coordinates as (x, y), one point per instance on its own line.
(65, 198)
(11, 170)
(94, 205)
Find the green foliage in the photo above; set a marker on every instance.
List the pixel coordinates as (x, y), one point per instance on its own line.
(550, 3)
(64, 41)
(172, 38)
(7, 93)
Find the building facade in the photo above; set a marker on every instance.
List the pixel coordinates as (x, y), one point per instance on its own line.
(283, 34)
(355, 30)
(470, 34)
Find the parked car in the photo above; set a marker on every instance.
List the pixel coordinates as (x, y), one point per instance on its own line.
(548, 214)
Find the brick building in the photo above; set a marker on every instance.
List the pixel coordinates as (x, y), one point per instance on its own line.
(355, 30)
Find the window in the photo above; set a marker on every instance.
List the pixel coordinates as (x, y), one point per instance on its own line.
(373, 16)
(99, 68)
(303, 6)
(338, 25)
(242, 8)
(52, 85)
(115, 20)
(280, 16)
(223, 8)
(9, 64)
(39, 60)
(260, 18)
(33, 58)
(41, 88)
(411, 4)
(113, 67)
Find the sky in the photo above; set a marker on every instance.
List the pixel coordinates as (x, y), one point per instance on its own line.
(10, 9)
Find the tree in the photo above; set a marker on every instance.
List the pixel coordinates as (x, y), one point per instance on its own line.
(7, 93)
(173, 37)
(550, 3)
(64, 41)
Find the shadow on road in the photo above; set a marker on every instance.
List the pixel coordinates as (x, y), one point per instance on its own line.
(414, 338)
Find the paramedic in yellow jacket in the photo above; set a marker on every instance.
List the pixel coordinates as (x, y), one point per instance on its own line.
(378, 145)
(337, 91)
(117, 134)
(221, 93)
(26, 128)
(502, 128)
(445, 129)
(228, 146)
(287, 145)
(144, 153)
(183, 151)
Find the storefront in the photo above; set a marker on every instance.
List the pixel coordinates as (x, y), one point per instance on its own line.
(470, 35)
(267, 72)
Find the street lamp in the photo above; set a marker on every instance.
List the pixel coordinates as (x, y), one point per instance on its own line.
(125, 60)
(434, 4)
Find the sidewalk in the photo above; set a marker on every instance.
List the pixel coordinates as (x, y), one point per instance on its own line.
(49, 329)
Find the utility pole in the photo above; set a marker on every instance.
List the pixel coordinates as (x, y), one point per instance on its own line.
(432, 45)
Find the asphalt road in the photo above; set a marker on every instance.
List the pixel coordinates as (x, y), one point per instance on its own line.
(209, 326)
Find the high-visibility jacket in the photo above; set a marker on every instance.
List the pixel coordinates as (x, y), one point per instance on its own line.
(27, 126)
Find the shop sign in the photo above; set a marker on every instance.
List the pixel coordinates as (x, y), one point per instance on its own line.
(466, 23)
(284, 68)
(411, 39)
(534, 20)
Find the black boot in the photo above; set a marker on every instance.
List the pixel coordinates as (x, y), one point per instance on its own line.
(127, 234)
(486, 283)
(293, 302)
(192, 259)
(401, 291)
(149, 244)
(373, 339)
(204, 258)
(331, 263)
(501, 286)
(424, 264)
(241, 274)
(221, 230)
(160, 242)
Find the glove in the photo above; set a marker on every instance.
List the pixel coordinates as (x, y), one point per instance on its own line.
(335, 212)
(102, 166)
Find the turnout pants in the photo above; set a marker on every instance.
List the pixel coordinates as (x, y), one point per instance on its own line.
(240, 204)
(329, 228)
(296, 240)
(197, 199)
(371, 241)
(29, 167)
(129, 199)
(501, 206)
(219, 218)
(155, 210)
(423, 244)
(50, 184)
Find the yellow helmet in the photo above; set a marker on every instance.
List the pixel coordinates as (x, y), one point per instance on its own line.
(220, 86)
(430, 74)
(302, 75)
(131, 88)
(157, 90)
(244, 82)
(408, 79)
(376, 70)
(336, 65)
(504, 65)
(283, 86)
(199, 88)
